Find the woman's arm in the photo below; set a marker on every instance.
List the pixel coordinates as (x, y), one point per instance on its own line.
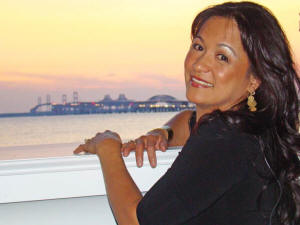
(122, 192)
(180, 126)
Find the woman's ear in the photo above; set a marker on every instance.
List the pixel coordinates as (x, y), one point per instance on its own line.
(254, 83)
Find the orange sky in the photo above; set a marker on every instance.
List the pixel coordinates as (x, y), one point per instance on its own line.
(96, 47)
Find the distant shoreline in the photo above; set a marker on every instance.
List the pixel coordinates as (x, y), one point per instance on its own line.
(8, 115)
(16, 115)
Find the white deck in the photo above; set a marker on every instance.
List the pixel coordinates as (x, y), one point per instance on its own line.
(39, 188)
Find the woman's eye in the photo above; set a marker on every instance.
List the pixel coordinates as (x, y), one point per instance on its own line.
(197, 47)
(222, 57)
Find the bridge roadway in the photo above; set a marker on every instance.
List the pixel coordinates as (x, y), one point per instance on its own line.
(111, 107)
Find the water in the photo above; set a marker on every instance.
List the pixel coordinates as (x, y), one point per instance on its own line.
(20, 131)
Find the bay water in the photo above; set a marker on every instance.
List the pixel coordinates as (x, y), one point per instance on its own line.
(22, 131)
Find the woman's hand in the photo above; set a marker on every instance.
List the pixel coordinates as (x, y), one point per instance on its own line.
(151, 142)
(101, 143)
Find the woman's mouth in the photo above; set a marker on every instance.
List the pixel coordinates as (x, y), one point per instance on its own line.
(197, 82)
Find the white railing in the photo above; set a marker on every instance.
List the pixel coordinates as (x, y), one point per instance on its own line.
(73, 180)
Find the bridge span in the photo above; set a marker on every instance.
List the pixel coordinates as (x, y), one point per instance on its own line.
(157, 103)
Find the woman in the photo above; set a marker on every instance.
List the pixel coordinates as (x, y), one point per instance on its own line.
(239, 164)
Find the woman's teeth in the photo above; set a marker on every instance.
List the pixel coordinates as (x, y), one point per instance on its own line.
(202, 82)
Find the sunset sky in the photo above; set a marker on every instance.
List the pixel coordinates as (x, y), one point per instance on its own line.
(98, 47)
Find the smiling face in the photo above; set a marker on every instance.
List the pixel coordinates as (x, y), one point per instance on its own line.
(217, 67)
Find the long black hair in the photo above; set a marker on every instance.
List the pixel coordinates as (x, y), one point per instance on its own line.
(276, 122)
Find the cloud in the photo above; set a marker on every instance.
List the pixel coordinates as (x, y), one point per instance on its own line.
(162, 80)
(111, 80)
(111, 75)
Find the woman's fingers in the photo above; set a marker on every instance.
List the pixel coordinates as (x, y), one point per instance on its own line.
(128, 147)
(89, 146)
(162, 143)
(79, 149)
(139, 150)
(124, 149)
(151, 148)
(151, 143)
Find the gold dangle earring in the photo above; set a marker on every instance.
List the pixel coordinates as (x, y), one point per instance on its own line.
(251, 102)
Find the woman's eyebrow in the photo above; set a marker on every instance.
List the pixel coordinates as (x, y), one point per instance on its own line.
(227, 46)
(199, 37)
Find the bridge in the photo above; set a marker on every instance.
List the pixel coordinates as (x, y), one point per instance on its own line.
(157, 103)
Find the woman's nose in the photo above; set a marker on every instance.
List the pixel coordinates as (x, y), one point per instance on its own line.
(202, 64)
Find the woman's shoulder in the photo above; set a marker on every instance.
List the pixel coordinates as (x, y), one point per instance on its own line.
(219, 128)
(219, 134)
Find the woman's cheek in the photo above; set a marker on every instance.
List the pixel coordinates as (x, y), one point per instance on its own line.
(188, 59)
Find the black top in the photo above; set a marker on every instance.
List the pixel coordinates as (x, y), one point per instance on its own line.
(215, 180)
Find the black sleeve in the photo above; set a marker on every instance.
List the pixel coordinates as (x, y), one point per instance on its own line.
(209, 164)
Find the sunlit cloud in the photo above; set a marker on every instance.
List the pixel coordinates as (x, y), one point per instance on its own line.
(111, 80)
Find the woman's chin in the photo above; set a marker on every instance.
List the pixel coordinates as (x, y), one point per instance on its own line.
(194, 98)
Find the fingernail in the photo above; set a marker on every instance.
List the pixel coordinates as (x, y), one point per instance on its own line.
(139, 163)
(153, 163)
